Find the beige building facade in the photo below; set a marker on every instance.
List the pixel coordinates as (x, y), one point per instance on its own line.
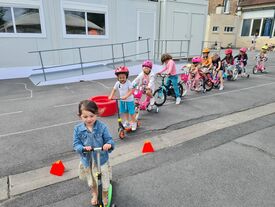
(235, 22)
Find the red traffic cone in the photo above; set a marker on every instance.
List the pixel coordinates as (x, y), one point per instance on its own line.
(147, 147)
(57, 168)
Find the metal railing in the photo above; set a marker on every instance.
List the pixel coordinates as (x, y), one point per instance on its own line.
(80, 51)
(214, 46)
(173, 47)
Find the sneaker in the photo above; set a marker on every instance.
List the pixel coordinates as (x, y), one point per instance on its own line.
(126, 124)
(149, 108)
(134, 126)
(221, 88)
(178, 99)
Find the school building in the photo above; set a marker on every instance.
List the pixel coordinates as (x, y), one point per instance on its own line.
(34, 25)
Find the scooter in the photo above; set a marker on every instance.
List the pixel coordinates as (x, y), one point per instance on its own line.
(121, 129)
(99, 178)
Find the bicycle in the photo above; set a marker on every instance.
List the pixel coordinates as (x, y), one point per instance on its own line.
(164, 90)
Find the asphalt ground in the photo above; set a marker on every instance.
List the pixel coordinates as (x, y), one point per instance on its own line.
(37, 122)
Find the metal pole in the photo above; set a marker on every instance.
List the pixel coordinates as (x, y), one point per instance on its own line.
(81, 63)
(188, 50)
(123, 56)
(161, 51)
(180, 47)
(148, 51)
(154, 51)
(165, 46)
(43, 68)
(113, 56)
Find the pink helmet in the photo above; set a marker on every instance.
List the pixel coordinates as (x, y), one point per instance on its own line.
(196, 59)
(122, 70)
(243, 49)
(148, 64)
(228, 51)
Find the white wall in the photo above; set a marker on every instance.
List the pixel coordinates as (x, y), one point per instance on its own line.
(122, 26)
(184, 19)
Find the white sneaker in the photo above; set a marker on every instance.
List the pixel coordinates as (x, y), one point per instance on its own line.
(149, 108)
(126, 124)
(134, 126)
(178, 99)
(221, 88)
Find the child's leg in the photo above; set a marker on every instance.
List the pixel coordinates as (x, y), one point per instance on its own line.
(123, 110)
(105, 182)
(221, 78)
(174, 80)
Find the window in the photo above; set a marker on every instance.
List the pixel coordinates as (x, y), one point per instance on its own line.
(226, 6)
(256, 26)
(267, 27)
(228, 29)
(215, 29)
(84, 23)
(20, 20)
(246, 27)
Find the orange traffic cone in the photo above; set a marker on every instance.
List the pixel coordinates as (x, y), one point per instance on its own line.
(147, 147)
(57, 168)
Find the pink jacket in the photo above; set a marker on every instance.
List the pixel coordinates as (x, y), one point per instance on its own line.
(170, 68)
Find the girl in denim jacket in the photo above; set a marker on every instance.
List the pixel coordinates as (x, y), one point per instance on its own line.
(92, 133)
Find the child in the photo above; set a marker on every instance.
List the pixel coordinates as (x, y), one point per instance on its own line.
(127, 105)
(242, 58)
(206, 60)
(194, 71)
(262, 56)
(92, 133)
(218, 69)
(147, 78)
(170, 68)
(228, 61)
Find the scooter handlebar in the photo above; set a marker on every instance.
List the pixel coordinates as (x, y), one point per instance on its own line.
(96, 149)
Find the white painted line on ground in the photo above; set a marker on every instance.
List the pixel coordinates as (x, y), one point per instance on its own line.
(70, 104)
(25, 98)
(39, 178)
(102, 84)
(10, 113)
(36, 129)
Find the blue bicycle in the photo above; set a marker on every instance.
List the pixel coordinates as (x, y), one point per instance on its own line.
(164, 90)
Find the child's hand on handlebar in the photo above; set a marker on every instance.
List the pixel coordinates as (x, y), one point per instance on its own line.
(87, 148)
(123, 97)
(110, 97)
(106, 147)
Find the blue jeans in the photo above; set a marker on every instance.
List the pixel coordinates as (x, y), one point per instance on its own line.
(174, 80)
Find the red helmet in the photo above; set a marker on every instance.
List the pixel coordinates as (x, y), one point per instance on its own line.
(122, 70)
(228, 51)
(196, 59)
(148, 64)
(243, 49)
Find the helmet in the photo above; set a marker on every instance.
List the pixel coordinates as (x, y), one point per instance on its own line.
(196, 59)
(205, 50)
(265, 47)
(122, 70)
(243, 49)
(228, 51)
(148, 64)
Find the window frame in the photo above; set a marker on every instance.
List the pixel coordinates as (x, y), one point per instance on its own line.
(250, 28)
(216, 31)
(233, 28)
(86, 8)
(29, 4)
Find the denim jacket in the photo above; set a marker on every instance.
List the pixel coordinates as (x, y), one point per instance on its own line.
(97, 138)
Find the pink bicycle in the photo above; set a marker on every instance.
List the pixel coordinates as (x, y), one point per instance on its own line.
(142, 103)
(260, 66)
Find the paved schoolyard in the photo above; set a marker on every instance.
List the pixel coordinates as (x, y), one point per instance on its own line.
(37, 122)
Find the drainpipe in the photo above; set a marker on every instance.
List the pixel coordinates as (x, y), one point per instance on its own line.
(272, 26)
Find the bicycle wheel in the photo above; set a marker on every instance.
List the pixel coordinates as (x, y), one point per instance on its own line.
(208, 85)
(160, 96)
(255, 70)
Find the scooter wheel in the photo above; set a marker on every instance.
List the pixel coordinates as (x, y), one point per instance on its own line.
(121, 134)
